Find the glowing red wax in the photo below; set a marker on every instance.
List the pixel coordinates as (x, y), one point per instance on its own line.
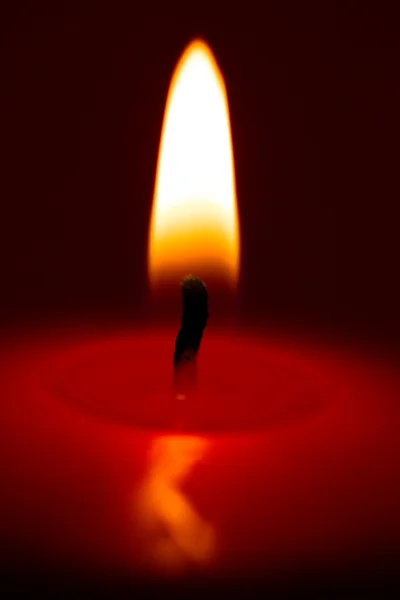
(290, 455)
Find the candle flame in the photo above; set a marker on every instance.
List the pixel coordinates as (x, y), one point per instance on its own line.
(194, 221)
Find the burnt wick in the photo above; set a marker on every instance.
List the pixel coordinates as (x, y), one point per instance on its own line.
(193, 323)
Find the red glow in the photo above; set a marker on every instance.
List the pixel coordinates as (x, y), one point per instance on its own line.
(303, 474)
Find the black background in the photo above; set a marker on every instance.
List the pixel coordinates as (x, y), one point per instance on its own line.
(314, 97)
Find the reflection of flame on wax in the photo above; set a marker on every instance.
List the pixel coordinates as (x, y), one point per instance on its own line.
(175, 534)
(194, 222)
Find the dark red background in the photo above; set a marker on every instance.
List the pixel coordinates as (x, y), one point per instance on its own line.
(314, 96)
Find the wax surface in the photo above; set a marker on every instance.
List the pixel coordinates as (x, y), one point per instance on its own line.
(289, 458)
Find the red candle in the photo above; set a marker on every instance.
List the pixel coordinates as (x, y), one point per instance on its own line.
(288, 462)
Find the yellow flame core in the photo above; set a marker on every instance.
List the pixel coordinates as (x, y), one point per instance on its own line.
(194, 223)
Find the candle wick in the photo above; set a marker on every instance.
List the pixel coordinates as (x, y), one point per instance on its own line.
(194, 319)
(187, 343)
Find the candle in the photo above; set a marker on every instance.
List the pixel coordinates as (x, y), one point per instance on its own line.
(285, 468)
